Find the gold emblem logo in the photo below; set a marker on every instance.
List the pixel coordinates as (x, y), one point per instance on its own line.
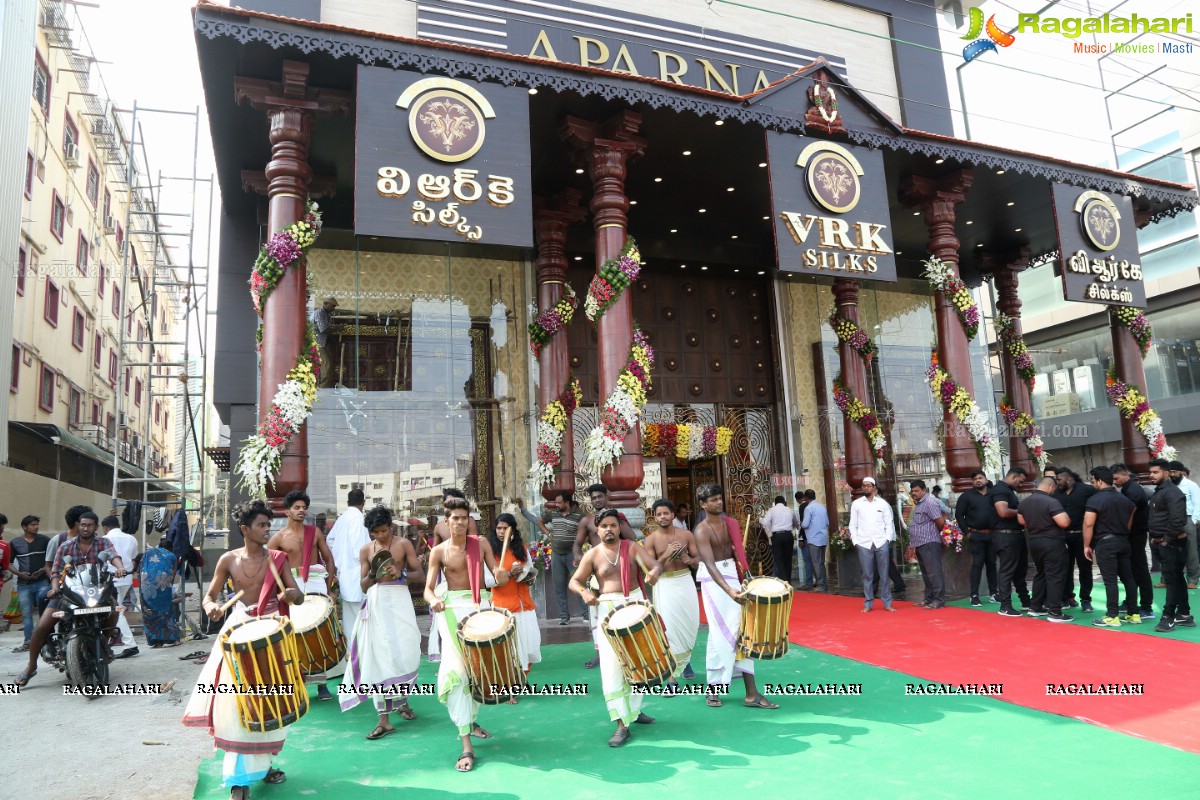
(832, 175)
(446, 118)
(1100, 220)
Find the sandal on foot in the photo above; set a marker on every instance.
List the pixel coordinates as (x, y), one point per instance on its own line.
(712, 701)
(25, 677)
(275, 776)
(470, 765)
(239, 793)
(380, 732)
(189, 656)
(22, 649)
(644, 719)
(406, 713)
(479, 733)
(619, 738)
(761, 702)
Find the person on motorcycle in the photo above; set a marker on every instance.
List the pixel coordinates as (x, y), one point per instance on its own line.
(83, 550)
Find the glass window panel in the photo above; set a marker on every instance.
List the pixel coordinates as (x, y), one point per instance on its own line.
(1169, 260)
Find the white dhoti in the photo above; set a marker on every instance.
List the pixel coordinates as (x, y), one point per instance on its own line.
(454, 687)
(675, 600)
(594, 621)
(247, 754)
(435, 643)
(724, 620)
(529, 638)
(350, 610)
(623, 705)
(384, 652)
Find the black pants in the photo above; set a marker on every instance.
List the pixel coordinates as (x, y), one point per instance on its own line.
(1172, 554)
(1141, 571)
(1050, 558)
(983, 555)
(1010, 558)
(1112, 555)
(783, 544)
(1077, 559)
(929, 556)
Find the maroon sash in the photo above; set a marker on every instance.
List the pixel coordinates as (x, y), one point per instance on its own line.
(269, 587)
(628, 568)
(475, 568)
(310, 538)
(739, 551)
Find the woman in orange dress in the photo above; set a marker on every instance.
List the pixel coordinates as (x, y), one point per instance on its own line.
(515, 595)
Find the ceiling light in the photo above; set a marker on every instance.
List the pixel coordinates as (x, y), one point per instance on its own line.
(999, 172)
(719, 122)
(767, 217)
(899, 253)
(633, 202)
(762, 164)
(683, 266)
(687, 152)
(940, 161)
(979, 245)
(703, 268)
(579, 258)
(1016, 230)
(916, 213)
(734, 236)
(658, 180)
(736, 271)
(703, 210)
(674, 230)
(533, 91)
(970, 222)
(1011, 203)
(762, 272)
(730, 189)
(579, 172)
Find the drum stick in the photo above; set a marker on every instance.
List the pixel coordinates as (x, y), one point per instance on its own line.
(278, 580)
(232, 600)
(503, 550)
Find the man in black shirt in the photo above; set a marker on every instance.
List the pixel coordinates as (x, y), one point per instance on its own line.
(1106, 521)
(975, 513)
(1009, 540)
(1168, 537)
(1073, 494)
(1127, 485)
(1045, 520)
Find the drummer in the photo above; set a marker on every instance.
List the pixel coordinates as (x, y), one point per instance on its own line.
(514, 596)
(675, 594)
(303, 543)
(612, 562)
(723, 561)
(441, 532)
(589, 535)
(247, 754)
(462, 559)
(385, 649)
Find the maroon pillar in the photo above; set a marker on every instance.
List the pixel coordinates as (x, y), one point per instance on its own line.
(1009, 303)
(1135, 451)
(550, 221)
(605, 151)
(291, 106)
(937, 199)
(860, 458)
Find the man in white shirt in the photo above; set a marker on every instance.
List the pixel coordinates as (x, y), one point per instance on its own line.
(779, 522)
(126, 546)
(346, 540)
(872, 529)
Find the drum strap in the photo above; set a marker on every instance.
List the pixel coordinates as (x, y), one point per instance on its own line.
(474, 568)
(310, 538)
(629, 569)
(269, 589)
(739, 550)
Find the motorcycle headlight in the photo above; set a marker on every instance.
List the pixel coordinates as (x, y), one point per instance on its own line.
(91, 602)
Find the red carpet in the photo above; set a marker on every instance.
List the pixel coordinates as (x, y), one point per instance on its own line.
(955, 645)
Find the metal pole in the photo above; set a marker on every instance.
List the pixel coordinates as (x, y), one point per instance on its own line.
(129, 176)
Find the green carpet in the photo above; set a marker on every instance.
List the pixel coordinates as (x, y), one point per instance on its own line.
(1098, 606)
(882, 743)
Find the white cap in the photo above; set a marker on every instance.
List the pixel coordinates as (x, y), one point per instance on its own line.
(869, 480)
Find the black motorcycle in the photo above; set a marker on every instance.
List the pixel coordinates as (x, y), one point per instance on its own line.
(79, 643)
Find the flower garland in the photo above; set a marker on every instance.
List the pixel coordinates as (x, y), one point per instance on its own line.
(283, 249)
(539, 552)
(622, 409)
(549, 323)
(551, 429)
(685, 442)
(841, 541)
(863, 417)
(850, 333)
(610, 282)
(1024, 426)
(941, 276)
(262, 453)
(1134, 406)
(1138, 325)
(967, 411)
(952, 536)
(1006, 332)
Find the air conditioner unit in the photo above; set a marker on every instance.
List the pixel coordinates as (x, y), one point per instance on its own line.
(40, 169)
(96, 240)
(100, 127)
(71, 154)
(46, 19)
(110, 226)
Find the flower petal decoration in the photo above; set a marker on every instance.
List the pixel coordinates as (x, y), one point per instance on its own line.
(1014, 343)
(622, 409)
(1136, 323)
(613, 277)
(1024, 426)
(863, 417)
(1134, 407)
(956, 399)
(550, 322)
(942, 278)
(551, 431)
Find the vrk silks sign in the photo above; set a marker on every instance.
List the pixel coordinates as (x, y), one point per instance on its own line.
(831, 211)
(441, 159)
(1097, 245)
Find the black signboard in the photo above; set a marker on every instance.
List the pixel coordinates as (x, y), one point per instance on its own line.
(1097, 246)
(831, 209)
(442, 159)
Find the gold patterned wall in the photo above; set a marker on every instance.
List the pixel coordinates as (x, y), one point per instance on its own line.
(491, 291)
(804, 307)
